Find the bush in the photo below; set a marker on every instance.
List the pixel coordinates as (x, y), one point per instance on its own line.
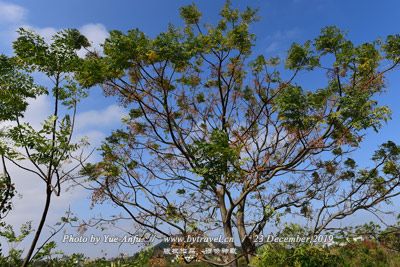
(303, 255)
(354, 254)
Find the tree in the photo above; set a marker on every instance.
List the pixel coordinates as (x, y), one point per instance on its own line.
(218, 140)
(44, 152)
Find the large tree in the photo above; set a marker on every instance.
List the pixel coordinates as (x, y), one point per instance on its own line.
(43, 153)
(218, 140)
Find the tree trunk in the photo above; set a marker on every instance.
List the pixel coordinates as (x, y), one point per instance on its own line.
(247, 244)
(227, 225)
(40, 227)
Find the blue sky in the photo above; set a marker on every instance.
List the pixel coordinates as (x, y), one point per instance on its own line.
(282, 22)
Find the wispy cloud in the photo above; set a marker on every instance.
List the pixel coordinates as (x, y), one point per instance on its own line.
(280, 40)
(12, 13)
(99, 118)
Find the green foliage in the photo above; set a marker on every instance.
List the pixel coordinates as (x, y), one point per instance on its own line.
(303, 255)
(379, 248)
(24, 135)
(35, 54)
(357, 108)
(14, 239)
(7, 192)
(47, 252)
(130, 53)
(74, 260)
(215, 159)
(331, 40)
(392, 47)
(10, 235)
(293, 107)
(16, 87)
(301, 57)
(142, 258)
(190, 14)
(365, 253)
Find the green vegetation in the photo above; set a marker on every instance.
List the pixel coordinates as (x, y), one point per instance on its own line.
(218, 139)
(379, 248)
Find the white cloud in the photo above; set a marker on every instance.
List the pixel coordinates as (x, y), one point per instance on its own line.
(11, 13)
(100, 118)
(11, 17)
(37, 111)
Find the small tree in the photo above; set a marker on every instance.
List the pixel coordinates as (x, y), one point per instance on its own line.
(42, 153)
(217, 139)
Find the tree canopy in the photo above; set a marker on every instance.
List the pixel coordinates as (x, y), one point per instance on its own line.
(220, 139)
